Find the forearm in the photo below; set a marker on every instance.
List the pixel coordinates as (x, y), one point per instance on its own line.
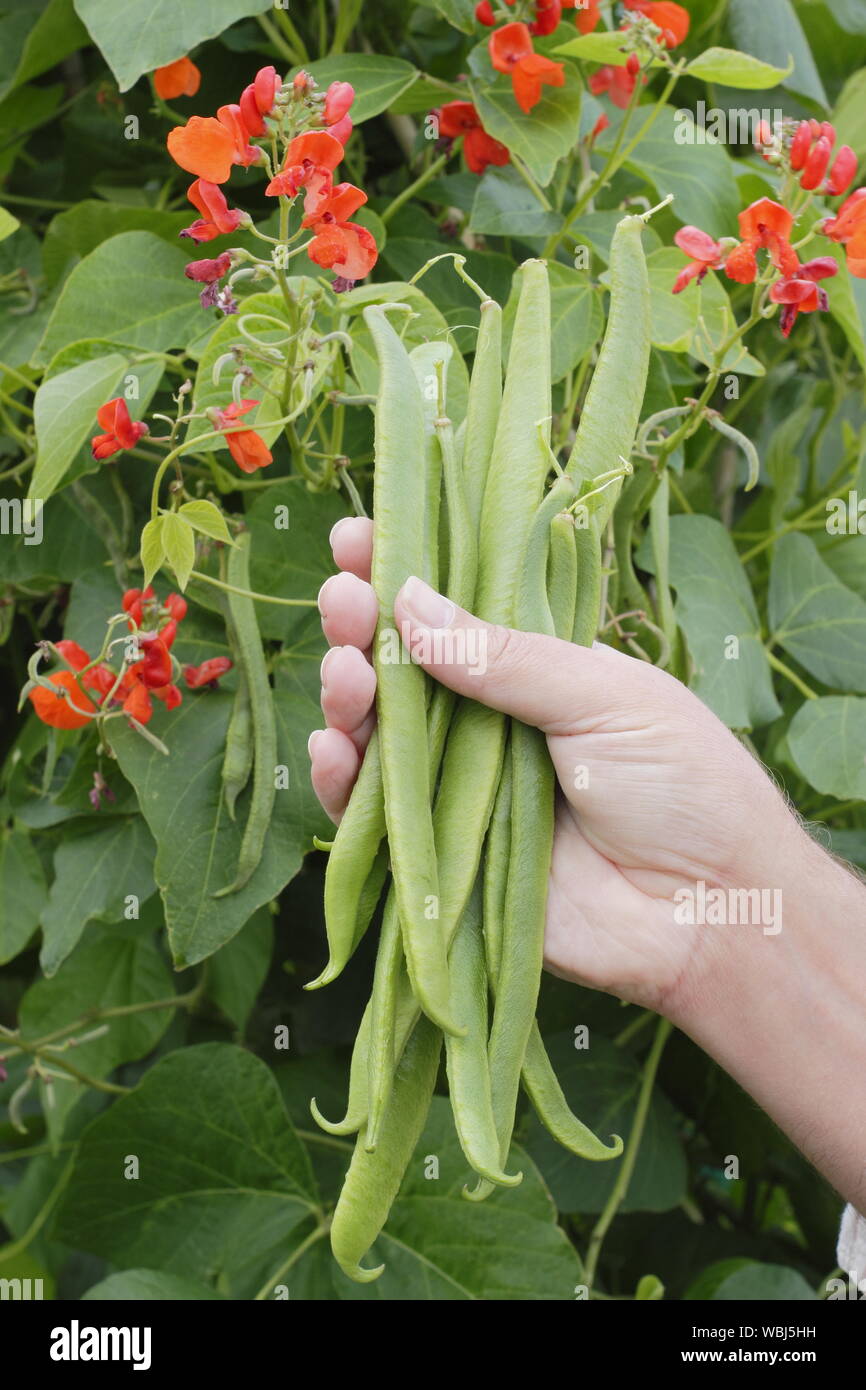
(785, 1014)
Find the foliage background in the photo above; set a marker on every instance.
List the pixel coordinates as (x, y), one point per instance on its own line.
(236, 1183)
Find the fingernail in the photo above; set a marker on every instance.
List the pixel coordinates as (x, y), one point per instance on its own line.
(428, 608)
(311, 741)
(323, 669)
(335, 528)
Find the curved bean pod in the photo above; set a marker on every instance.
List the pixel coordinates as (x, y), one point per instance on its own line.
(238, 756)
(374, 1179)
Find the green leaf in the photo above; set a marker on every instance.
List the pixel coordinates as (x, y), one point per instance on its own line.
(606, 46)
(504, 206)
(130, 289)
(438, 1246)
(93, 876)
(843, 305)
(31, 48)
(136, 36)
(113, 967)
(292, 559)
(237, 971)
(539, 138)
(772, 32)
(22, 892)
(849, 115)
(460, 13)
(378, 79)
(715, 604)
(223, 1180)
(729, 68)
(820, 622)
(74, 233)
(827, 740)
(178, 538)
(764, 1283)
(650, 1289)
(152, 548)
(197, 844)
(675, 157)
(8, 224)
(65, 415)
(204, 516)
(148, 1286)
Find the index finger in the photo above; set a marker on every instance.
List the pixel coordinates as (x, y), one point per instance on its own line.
(352, 545)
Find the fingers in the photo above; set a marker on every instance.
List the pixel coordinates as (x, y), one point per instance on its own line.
(553, 685)
(349, 611)
(352, 545)
(335, 761)
(348, 691)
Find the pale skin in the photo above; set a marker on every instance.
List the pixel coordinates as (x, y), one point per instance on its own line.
(655, 795)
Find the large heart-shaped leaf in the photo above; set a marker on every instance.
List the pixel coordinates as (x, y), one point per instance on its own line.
(815, 617)
(827, 740)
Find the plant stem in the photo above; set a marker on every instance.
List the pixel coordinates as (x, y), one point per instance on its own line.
(537, 192)
(273, 34)
(423, 178)
(249, 593)
(312, 1239)
(790, 675)
(10, 1252)
(623, 1177)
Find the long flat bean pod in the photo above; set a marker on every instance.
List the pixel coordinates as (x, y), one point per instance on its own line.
(252, 661)
(611, 411)
(374, 1179)
(399, 510)
(238, 757)
(562, 574)
(482, 411)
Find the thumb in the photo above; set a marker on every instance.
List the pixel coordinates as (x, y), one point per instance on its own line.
(550, 684)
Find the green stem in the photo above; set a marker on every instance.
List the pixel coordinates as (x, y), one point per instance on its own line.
(790, 675)
(537, 192)
(423, 178)
(312, 1239)
(10, 1252)
(272, 33)
(250, 593)
(629, 1158)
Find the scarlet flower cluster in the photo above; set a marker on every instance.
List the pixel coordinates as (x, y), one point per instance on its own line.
(460, 119)
(767, 225)
(120, 431)
(155, 626)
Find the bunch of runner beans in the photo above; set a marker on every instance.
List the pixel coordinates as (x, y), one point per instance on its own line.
(457, 799)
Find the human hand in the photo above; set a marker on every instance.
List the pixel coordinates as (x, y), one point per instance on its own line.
(656, 794)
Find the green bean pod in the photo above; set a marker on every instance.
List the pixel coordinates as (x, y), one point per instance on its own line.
(497, 852)
(466, 1058)
(482, 411)
(238, 757)
(611, 411)
(374, 1179)
(519, 464)
(381, 1052)
(351, 862)
(399, 539)
(252, 662)
(589, 584)
(562, 574)
(430, 364)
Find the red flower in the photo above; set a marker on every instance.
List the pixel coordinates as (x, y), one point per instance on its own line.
(208, 271)
(170, 696)
(337, 203)
(817, 164)
(799, 294)
(247, 448)
(120, 431)
(547, 15)
(588, 15)
(310, 160)
(705, 254)
(156, 664)
(136, 703)
(338, 99)
(208, 673)
(511, 52)
(204, 147)
(617, 81)
(766, 225)
(345, 247)
(843, 172)
(848, 228)
(342, 129)
(672, 19)
(800, 146)
(216, 217)
(257, 100)
(59, 711)
(243, 152)
(484, 12)
(459, 118)
(179, 79)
